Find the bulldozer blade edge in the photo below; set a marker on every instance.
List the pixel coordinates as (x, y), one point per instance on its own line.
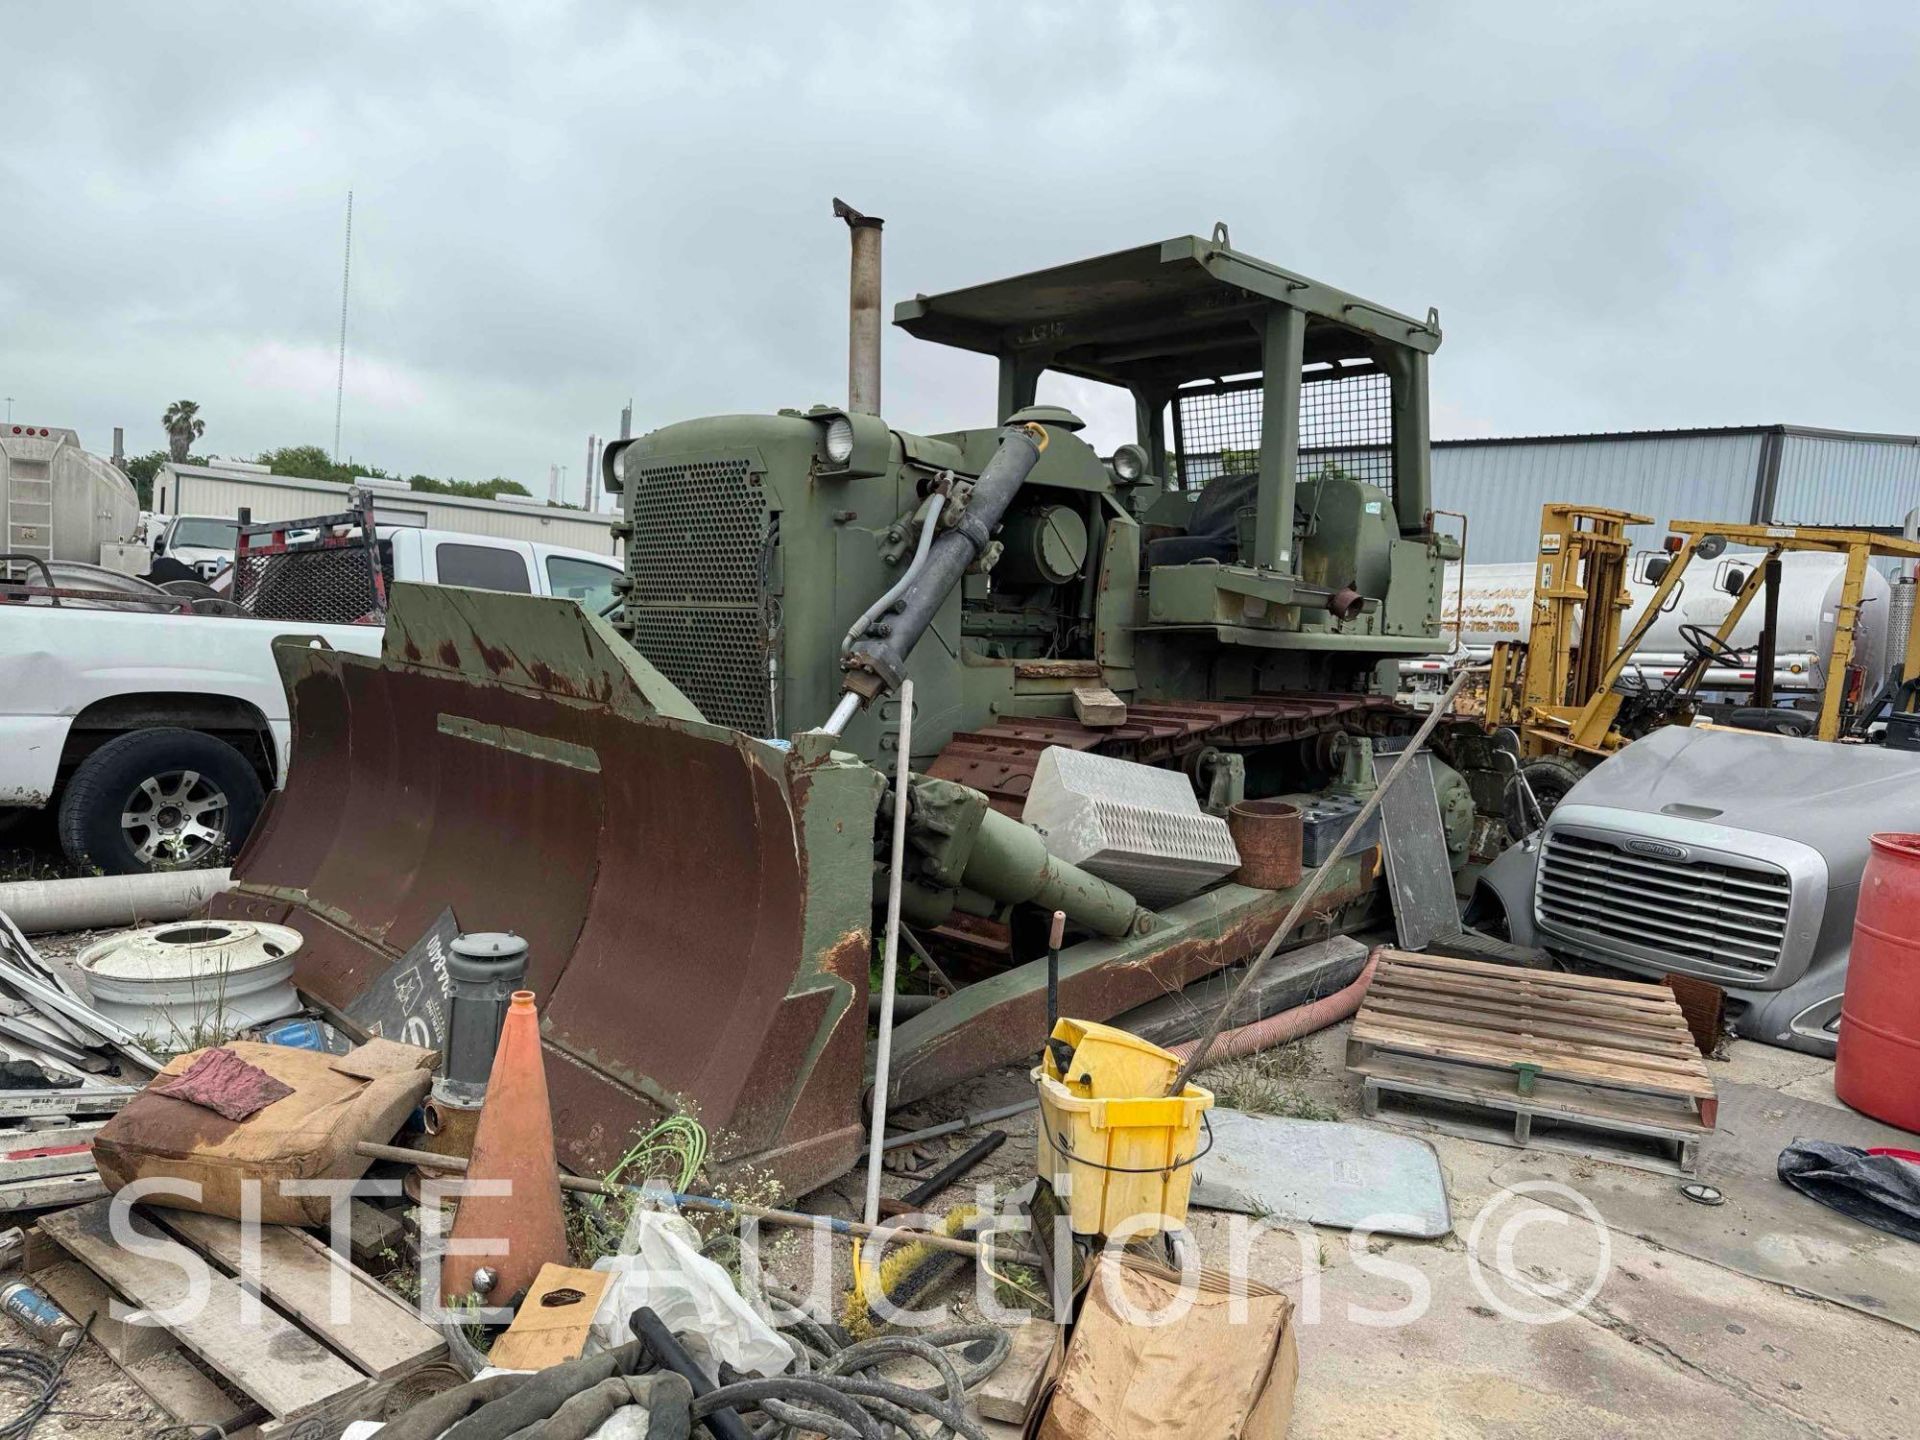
(697, 921)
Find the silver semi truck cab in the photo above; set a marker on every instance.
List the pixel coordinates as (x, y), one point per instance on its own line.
(1732, 857)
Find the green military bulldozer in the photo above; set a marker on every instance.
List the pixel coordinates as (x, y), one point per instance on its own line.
(681, 805)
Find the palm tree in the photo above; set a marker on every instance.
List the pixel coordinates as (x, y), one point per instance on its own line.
(184, 426)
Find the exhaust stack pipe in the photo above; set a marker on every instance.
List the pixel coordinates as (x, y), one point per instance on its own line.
(863, 310)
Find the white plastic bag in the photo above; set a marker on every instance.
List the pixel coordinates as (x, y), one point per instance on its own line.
(693, 1297)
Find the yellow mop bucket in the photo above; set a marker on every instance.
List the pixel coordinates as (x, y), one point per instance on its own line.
(1117, 1149)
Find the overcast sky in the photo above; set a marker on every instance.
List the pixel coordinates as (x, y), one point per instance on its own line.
(1633, 217)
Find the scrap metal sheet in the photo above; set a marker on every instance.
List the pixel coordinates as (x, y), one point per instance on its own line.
(1322, 1172)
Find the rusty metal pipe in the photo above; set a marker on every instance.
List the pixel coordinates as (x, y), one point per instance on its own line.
(863, 309)
(104, 902)
(1268, 835)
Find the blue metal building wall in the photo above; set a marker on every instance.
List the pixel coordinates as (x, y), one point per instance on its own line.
(1501, 484)
(1829, 479)
(1781, 473)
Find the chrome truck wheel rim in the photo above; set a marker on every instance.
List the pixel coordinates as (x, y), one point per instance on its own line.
(179, 816)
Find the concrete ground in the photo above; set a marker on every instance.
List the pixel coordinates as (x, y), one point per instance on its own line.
(1668, 1345)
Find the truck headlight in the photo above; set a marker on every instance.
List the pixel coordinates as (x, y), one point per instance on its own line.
(613, 466)
(853, 446)
(1130, 464)
(840, 440)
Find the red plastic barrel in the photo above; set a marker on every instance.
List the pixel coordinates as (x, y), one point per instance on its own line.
(1877, 1068)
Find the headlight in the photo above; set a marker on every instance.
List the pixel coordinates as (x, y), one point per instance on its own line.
(613, 466)
(839, 440)
(1130, 463)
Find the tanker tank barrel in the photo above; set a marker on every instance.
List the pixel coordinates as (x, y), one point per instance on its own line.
(877, 663)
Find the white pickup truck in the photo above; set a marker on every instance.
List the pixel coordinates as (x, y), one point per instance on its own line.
(156, 735)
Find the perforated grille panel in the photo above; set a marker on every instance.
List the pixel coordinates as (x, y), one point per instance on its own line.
(1138, 826)
(1346, 425)
(699, 609)
(331, 585)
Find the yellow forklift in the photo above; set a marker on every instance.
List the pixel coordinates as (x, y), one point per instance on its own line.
(1571, 695)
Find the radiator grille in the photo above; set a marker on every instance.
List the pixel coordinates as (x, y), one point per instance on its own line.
(1705, 915)
(699, 609)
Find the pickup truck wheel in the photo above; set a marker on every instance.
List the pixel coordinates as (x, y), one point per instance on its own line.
(161, 799)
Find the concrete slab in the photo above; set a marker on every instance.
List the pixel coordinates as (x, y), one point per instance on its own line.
(1668, 1347)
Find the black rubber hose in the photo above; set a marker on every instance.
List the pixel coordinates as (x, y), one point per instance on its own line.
(41, 1376)
(804, 1402)
(652, 1333)
(798, 1403)
(869, 1353)
(943, 1178)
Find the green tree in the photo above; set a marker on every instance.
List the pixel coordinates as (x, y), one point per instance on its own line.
(472, 489)
(183, 426)
(311, 462)
(142, 470)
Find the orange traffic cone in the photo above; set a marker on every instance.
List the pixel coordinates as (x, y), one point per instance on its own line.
(513, 1234)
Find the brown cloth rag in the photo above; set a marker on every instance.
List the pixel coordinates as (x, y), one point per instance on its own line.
(225, 1084)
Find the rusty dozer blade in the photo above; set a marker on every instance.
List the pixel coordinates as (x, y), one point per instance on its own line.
(696, 916)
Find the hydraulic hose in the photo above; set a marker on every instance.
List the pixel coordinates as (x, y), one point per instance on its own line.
(877, 664)
(833, 1396)
(935, 505)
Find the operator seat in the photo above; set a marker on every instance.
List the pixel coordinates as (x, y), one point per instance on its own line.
(1773, 721)
(1213, 530)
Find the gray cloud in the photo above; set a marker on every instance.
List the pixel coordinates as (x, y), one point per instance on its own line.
(1652, 215)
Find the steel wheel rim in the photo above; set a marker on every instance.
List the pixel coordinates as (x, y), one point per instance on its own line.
(175, 817)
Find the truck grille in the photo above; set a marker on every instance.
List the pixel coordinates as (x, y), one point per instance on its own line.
(1702, 914)
(699, 609)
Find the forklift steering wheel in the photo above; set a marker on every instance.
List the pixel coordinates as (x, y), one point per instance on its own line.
(1703, 643)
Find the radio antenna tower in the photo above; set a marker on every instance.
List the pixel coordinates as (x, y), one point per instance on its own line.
(340, 376)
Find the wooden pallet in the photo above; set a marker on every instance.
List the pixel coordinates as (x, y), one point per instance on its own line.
(1614, 1055)
(312, 1341)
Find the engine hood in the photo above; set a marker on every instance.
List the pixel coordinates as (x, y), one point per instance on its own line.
(1769, 784)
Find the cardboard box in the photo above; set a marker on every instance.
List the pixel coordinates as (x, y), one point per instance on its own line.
(1222, 1368)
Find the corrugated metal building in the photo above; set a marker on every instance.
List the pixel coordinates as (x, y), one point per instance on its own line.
(224, 490)
(1781, 474)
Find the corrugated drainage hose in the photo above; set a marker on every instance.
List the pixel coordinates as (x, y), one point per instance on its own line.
(1288, 1025)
